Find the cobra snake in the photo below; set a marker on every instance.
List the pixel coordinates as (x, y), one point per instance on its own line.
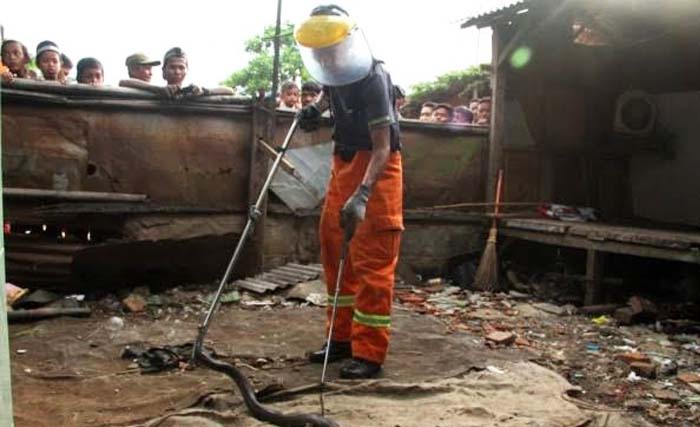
(259, 411)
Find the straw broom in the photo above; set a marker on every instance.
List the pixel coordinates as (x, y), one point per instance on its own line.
(486, 277)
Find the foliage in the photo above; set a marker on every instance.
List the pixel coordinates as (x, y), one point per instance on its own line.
(258, 73)
(456, 87)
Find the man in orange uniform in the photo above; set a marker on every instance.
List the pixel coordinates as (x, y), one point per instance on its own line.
(364, 197)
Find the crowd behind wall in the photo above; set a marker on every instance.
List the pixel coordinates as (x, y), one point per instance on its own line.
(55, 66)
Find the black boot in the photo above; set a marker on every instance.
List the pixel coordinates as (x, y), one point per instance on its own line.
(339, 350)
(360, 369)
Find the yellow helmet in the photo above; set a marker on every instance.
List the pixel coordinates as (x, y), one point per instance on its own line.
(332, 46)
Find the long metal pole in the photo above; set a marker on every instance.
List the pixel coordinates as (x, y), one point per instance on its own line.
(331, 324)
(253, 216)
(5, 383)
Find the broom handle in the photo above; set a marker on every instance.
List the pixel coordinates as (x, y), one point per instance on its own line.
(499, 187)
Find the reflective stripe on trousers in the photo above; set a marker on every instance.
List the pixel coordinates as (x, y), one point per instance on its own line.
(364, 304)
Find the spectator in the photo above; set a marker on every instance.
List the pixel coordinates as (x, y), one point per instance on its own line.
(309, 93)
(175, 67)
(16, 59)
(400, 96)
(483, 116)
(289, 96)
(462, 114)
(66, 67)
(140, 66)
(474, 106)
(91, 72)
(442, 113)
(48, 59)
(426, 111)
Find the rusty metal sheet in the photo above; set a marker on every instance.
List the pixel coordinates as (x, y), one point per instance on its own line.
(170, 156)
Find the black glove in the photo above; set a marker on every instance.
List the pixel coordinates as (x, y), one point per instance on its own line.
(354, 210)
(309, 118)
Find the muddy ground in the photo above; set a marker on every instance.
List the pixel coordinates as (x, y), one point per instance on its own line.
(68, 372)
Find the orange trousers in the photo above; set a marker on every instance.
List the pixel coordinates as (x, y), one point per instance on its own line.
(366, 290)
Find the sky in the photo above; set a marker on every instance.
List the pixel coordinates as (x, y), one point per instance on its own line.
(418, 40)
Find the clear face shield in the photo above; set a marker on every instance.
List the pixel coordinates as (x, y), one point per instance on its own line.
(334, 56)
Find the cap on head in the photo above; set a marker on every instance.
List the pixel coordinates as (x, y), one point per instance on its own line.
(140, 59)
(47, 46)
(175, 52)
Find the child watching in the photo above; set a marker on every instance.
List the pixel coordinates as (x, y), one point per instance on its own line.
(48, 59)
(90, 72)
(15, 57)
(66, 66)
(289, 96)
(309, 93)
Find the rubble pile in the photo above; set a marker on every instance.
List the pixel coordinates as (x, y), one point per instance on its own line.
(652, 369)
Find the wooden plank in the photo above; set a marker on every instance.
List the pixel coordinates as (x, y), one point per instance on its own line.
(557, 227)
(689, 256)
(672, 239)
(263, 128)
(82, 196)
(594, 275)
(272, 154)
(6, 418)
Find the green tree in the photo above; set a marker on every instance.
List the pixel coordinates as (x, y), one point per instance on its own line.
(258, 73)
(455, 87)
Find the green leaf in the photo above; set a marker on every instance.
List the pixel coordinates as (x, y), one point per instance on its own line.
(258, 73)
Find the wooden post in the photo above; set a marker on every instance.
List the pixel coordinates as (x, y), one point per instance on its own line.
(263, 128)
(498, 96)
(594, 276)
(5, 384)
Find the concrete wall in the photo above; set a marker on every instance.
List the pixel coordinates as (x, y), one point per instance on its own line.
(666, 189)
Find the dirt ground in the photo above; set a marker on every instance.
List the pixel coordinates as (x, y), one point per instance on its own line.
(69, 372)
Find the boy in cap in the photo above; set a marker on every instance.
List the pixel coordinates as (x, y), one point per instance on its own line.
(139, 66)
(48, 59)
(175, 68)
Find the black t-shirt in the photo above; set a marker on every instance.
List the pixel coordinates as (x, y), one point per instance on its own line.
(361, 106)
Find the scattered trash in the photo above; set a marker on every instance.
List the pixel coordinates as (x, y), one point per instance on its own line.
(495, 370)
(601, 320)
(501, 337)
(13, 294)
(21, 351)
(633, 377)
(134, 303)
(230, 297)
(550, 308)
(644, 369)
(592, 347)
(567, 213)
(633, 357)
(114, 325)
(158, 359)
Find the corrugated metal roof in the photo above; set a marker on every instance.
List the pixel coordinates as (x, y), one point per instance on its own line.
(280, 277)
(485, 19)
